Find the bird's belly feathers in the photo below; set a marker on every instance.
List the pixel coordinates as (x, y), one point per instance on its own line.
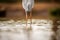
(27, 5)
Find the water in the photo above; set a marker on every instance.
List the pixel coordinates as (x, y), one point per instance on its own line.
(15, 30)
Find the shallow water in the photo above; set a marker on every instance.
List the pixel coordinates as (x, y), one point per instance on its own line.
(41, 30)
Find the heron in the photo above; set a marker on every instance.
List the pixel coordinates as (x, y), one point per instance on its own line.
(28, 5)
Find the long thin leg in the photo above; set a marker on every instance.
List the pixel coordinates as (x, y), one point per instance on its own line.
(26, 20)
(30, 20)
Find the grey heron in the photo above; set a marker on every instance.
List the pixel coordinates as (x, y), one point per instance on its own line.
(28, 5)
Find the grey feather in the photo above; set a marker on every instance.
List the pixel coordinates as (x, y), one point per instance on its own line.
(27, 4)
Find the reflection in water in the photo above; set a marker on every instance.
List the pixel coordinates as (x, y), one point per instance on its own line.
(14, 30)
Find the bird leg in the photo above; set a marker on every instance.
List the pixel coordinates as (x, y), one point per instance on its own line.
(30, 21)
(26, 20)
(28, 15)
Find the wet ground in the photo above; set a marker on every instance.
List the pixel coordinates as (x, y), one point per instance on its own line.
(15, 30)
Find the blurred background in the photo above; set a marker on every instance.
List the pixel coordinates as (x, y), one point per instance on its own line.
(43, 9)
(12, 9)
